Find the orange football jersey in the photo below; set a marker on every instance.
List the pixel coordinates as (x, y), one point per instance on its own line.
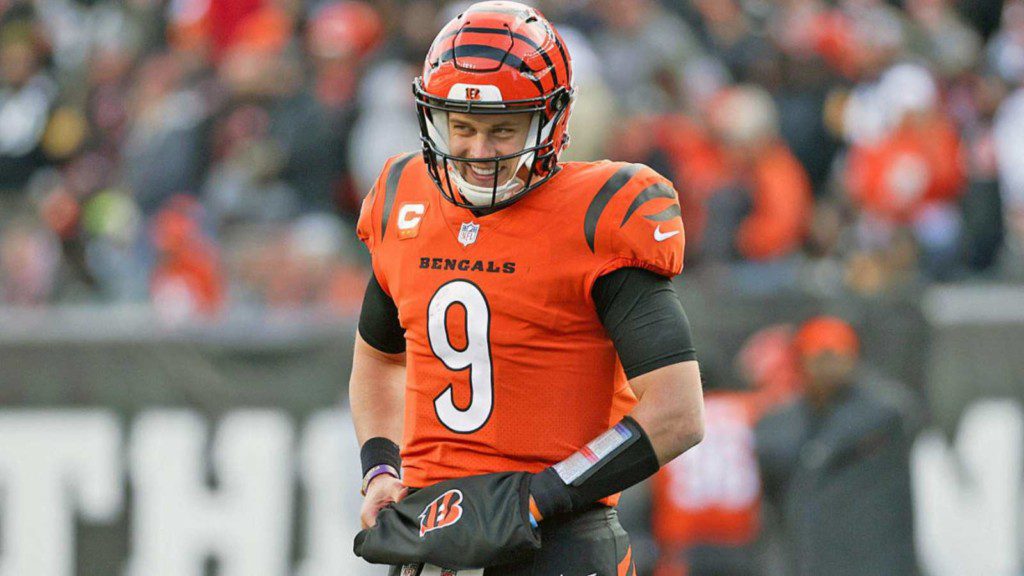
(508, 366)
(712, 493)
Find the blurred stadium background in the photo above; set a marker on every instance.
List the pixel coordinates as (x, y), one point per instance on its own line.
(180, 277)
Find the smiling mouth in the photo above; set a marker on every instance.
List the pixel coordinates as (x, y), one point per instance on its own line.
(478, 174)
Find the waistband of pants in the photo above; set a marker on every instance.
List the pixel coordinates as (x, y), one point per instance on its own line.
(593, 517)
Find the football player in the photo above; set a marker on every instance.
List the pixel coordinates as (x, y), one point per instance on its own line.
(522, 356)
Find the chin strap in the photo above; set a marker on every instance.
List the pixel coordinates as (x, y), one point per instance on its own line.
(484, 196)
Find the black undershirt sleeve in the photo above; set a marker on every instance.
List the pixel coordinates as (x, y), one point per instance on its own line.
(643, 316)
(378, 320)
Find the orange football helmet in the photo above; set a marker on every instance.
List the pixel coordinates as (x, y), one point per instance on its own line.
(495, 58)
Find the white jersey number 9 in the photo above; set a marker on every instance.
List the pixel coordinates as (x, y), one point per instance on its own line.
(475, 357)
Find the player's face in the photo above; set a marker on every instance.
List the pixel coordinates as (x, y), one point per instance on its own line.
(487, 136)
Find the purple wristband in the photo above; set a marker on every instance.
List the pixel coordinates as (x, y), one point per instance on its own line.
(377, 471)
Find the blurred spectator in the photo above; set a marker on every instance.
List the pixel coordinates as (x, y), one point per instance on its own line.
(309, 263)
(1009, 142)
(941, 36)
(27, 97)
(836, 462)
(187, 282)
(164, 151)
(1006, 49)
(913, 175)
(313, 126)
(589, 128)
(115, 253)
(761, 214)
(643, 49)
(29, 261)
(732, 34)
(244, 185)
(974, 101)
(828, 243)
(387, 119)
(314, 272)
(769, 365)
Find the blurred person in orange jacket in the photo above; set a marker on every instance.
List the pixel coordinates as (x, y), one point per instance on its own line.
(187, 281)
(763, 215)
(706, 513)
(913, 177)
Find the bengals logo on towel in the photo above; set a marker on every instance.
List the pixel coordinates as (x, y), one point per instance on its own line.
(445, 510)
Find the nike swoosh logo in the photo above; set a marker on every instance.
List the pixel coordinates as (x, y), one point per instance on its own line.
(662, 236)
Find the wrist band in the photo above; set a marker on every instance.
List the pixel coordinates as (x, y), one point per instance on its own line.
(374, 472)
(379, 450)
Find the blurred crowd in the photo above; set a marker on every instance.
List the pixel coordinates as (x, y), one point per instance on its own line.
(210, 154)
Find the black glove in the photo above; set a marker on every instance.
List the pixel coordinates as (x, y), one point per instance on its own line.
(471, 522)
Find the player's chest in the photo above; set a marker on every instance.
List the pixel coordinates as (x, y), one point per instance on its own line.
(521, 274)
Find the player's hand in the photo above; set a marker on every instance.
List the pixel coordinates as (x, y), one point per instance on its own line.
(471, 522)
(383, 490)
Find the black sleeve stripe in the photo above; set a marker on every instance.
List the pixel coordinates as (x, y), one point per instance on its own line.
(391, 189)
(603, 196)
(659, 190)
(666, 214)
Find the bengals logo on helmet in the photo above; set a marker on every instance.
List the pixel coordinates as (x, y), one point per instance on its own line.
(445, 510)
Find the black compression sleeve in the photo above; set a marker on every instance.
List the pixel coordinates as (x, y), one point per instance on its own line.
(642, 314)
(378, 320)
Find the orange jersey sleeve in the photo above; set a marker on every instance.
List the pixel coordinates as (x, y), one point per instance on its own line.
(376, 210)
(634, 220)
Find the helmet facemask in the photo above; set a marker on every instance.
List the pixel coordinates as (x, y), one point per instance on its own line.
(533, 163)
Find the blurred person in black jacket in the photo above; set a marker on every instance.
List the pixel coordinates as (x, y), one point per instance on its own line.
(836, 464)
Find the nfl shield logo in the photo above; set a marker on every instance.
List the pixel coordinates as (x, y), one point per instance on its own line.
(468, 232)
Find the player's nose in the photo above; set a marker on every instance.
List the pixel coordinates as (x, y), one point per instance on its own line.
(481, 146)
